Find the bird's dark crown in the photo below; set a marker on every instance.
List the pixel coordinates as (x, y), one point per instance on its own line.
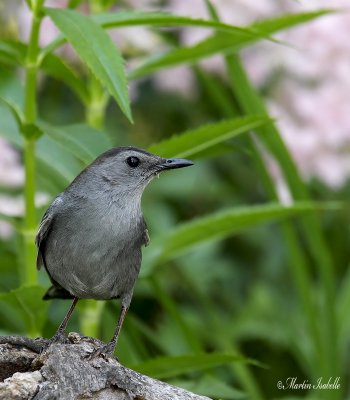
(117, 150)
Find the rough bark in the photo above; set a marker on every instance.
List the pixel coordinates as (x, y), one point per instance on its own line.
(63, 371)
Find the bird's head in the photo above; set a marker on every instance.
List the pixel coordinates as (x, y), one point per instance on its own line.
(130, 168)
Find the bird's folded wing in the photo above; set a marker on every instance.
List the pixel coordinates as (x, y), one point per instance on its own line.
(44, 229)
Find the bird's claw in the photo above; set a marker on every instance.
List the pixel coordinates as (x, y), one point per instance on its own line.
(105, 351)
(58, 337)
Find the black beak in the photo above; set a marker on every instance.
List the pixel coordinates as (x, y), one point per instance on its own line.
(172, 163)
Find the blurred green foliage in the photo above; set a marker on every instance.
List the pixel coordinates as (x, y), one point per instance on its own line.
(245, 293)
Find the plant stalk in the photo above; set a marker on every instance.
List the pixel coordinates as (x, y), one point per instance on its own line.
(30, 115)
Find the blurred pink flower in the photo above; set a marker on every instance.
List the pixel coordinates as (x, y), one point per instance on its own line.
(11, 175)
(48, 30)
(312, 97)
(11, 170)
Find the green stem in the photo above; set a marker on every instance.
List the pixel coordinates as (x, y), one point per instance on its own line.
(96, 108)
(30, 276)
(90, 317)
(30, 111)
(96, 7)
(30, 115)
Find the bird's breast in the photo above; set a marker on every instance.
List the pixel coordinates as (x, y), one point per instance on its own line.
(96, 253)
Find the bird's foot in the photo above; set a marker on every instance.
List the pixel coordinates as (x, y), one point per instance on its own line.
(105, 351)
(58, 337)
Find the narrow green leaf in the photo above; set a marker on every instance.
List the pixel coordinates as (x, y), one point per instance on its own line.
(221, 43)
(217, 95)
(209, 385)
(9, 128)
(220, 225)
(96, 49)
(23, 309)
(57, 159)
(81, 140)
(218, 43)
(135, 18)
(12, 52)
(286, 21)
(51, 157)
(58, 69)
(168, 367)
(216, 150)
(342, 308)
(16, 112)
(251, 102)
(192, 142)
(12, 94)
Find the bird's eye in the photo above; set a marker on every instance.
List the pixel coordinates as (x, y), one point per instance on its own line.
(133, 161)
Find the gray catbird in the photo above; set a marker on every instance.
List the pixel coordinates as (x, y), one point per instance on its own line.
(90, 238)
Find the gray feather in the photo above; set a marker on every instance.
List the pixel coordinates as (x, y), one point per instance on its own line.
(90, 238)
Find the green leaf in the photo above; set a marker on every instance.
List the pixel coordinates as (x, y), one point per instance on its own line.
(168, 367)
(9, 265)
(29, 2)
(342, 309)
(135, 18)
(195, 141)
(96, 49)
(58, 69)
(81, 140)
(12, 52)
(23, 309)
(251, 102)
(57, 160)
(220, 225)
(286, 21)
(54, 160)
(209, 385)
(218, 43)
(221, 43)
(12, 94)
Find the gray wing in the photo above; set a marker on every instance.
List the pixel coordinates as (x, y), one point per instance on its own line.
(55, 291)
(40, 240)
(45, 228)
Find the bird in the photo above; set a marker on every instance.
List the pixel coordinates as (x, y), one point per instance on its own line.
(91, 236)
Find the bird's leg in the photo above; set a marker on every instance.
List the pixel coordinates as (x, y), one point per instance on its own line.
(59, 336)
(113, 343)
(109, 348)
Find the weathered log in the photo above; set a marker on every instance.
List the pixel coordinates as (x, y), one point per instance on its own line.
(63, 371)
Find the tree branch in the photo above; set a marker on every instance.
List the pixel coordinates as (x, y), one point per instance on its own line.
(63, 372)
